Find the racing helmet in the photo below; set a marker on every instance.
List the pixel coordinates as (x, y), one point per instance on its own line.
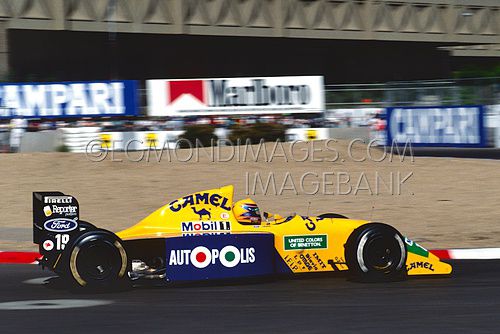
(247, 212)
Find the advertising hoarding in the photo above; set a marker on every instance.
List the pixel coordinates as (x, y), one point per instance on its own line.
(68, 99)
(235, 96)
(204, 256)
(457, 126)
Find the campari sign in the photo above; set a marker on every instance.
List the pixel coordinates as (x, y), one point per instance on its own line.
(226, 96)
(68, 99)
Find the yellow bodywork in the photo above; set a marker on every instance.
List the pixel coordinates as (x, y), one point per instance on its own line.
(210, 212)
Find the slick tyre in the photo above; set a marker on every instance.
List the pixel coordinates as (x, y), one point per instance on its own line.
(97, 260)
(376, 252)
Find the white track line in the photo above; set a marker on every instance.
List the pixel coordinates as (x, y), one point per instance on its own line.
(475, 254)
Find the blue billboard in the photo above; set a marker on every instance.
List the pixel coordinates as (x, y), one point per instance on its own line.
(68, 99)
(456, 126)
(220, 256)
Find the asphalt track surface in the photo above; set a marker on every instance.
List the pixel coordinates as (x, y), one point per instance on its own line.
(466, 302)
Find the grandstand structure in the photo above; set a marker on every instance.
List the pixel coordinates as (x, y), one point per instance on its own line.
(466, 28)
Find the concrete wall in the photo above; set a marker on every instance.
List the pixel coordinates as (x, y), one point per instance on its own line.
(350, 133)
(44, 141)
(440, 21)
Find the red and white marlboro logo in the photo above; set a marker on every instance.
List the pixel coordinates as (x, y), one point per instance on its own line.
(232, 95)
(193, 90)
(224, 93)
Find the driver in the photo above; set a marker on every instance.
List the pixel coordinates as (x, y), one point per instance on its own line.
(247, 212)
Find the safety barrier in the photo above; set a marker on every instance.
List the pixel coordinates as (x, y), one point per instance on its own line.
(92, 138)
(493, 123)
(77, 139)
(138, 140)
(43, 141)
(85, 139)
(307, 134)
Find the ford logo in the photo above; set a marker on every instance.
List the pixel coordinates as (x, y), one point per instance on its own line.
(60, 225)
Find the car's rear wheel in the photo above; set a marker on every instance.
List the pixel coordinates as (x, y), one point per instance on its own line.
(376, 252)
(97, 259)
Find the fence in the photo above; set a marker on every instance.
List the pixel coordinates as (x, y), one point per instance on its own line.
(448, 92)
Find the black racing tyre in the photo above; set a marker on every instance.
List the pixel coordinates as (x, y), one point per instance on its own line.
(83, 226)
(97, 259)
(332, 215)
(376, 252)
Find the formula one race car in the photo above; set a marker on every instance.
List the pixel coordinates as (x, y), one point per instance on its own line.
(205, 236)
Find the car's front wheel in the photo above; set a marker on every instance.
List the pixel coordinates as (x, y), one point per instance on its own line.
(376, 252)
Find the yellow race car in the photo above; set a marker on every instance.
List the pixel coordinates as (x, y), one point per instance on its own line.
(205, 236)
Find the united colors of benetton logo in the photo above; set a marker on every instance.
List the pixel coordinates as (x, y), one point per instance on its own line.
(201, 257)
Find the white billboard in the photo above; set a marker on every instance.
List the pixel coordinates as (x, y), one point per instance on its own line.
(235, 96)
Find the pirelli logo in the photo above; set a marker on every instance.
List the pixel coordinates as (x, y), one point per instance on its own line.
(58, 200)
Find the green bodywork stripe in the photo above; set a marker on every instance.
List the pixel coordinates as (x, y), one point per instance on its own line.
(415, 248)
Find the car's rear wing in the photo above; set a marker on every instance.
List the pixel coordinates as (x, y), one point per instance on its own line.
(55, 222)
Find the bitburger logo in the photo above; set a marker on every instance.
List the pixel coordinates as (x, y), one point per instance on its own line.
(201, 257)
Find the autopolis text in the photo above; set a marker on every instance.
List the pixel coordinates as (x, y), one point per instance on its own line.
(184, 257)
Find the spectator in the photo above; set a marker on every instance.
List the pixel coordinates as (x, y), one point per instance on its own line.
(17, 129)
